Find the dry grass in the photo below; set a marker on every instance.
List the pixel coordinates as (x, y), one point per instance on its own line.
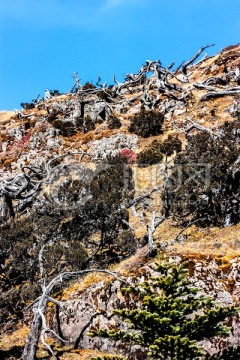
(221, 244)
(81, 354)
(79, 286)
(131, 265)
(213, 242)
(17, 338)
(6, 116)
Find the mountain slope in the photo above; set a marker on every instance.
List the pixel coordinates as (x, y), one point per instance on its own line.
(90, 211)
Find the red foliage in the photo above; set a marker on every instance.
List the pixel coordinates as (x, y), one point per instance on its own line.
(128, 154)
(24, 141)
(22, 144)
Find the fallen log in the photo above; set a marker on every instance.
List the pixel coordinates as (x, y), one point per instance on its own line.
(216, 94)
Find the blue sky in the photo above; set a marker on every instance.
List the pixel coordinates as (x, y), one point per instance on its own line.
(44, 41)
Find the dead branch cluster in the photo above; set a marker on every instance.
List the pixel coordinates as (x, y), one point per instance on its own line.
(17, 193)
(39, 328)
(154, 76)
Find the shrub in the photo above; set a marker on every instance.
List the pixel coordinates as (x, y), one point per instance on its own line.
(67, 127)
(129, 155)
(70, 128)
(125, 244)
(110, 188)
(54, 92)
(106, 94)
(150, 155)
(89, 86)
(147, 123)
(208, 186)
(57, 123)
(85, 124)
(24, 142)
(53, 116)
(27, 106)
(77, 203)
(172, 316)
(71, 253)
(114, 122)
(20, 145)
(171, 144)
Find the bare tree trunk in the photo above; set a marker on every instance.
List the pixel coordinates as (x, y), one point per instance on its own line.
(30, 348)
(39, 326)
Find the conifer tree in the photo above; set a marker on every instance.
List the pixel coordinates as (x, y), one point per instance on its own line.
(171, 318)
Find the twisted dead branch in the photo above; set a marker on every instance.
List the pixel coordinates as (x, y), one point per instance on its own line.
(215, 94)
(191, 61)
(24, 187)
(39, 327)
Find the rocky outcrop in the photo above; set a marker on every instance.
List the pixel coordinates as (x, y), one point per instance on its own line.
(220, 284)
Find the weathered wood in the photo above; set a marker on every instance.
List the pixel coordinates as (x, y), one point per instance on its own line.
(191, 61)
(216, 94)
(39, 327)
(217, 80)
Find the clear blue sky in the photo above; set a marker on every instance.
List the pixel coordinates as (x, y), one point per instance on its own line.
(44, 41)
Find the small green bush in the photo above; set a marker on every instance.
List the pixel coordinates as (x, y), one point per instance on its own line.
(52, 116)
(27, 106)
(54, 92)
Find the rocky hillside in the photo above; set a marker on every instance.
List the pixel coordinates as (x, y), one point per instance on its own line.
(110, 177)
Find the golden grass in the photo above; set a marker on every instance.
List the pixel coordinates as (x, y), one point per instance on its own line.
(81, 285)
(82, 354)
(218, 243)
(67, 352)
(17, 338)
(6, 116)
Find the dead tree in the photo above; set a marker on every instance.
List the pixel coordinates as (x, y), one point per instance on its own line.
(164, 213)
(77, 85)
(148, 101)
(22, 187)
(179, 67)
(135, 78)
(204, 86)
(170, 66)
(187, 129)
(215, 94)
(151, 230)
(25, 186)
(217, 80)
(39, 327)
(160, 80)
(20, 114)
(237, 75)
(191, 61)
